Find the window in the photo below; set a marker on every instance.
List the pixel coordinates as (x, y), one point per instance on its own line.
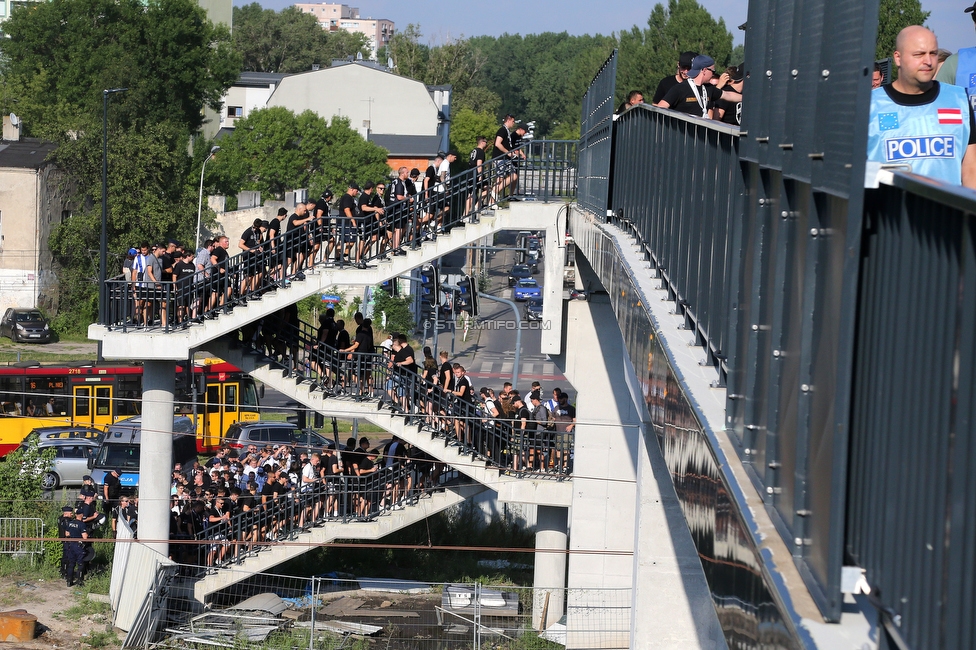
(235, 111)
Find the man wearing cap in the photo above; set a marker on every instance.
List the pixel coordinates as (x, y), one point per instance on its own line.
(67, 516)
(443, 185)
(696, 95)
(75, 532)
(250, 244)
(518, 155)
(681, 76)
(429, 190)
(917, 121)
(960, 69)
(296, 236)
(476, 160)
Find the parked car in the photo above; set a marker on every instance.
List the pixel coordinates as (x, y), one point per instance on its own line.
(71, 456)
(518, 272)
(25, 325)
(533, 309)
(262, 432)
(526, 289)
(121, 449)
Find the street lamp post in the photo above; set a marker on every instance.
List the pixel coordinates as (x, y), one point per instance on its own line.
(213, 151)
(103, 259)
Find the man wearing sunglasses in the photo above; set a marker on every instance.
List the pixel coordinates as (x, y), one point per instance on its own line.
(696, 95)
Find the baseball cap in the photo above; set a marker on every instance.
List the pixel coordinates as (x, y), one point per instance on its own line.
(700, 62)
(66, 509)
(133, 251)
(441, 154)
(353, 185)
(685, 59)
(87, 477)
(970, 10)
(80, 511)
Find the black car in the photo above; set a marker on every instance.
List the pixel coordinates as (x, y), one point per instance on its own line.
(518, 272)
(261, 432)
(25, 326)
(533, 309)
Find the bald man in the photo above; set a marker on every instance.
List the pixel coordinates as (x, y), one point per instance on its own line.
(919, 122)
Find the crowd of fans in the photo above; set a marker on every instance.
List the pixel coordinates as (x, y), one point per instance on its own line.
(170, 285)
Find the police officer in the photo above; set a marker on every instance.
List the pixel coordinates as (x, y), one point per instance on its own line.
(75, 532)
(87, 487)
(112, 491)
(960, 68)
(917, 121)
(67, 516)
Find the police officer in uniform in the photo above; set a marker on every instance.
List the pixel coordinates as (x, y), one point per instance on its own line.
(67, 516)
(960, 68)
(75, 532)
(917, 121)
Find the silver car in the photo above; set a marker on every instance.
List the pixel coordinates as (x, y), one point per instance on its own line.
(70, 461)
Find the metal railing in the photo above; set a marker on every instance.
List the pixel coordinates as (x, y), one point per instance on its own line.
(910, 498)
(344, 498)
(463, 423)
(679, 201)
(20, 536)
(543, 170)
(596, 138)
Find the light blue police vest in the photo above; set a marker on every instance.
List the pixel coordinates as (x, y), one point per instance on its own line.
(966, 72)
(931, 138)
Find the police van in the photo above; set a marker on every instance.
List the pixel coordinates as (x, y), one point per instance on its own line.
(122, 445)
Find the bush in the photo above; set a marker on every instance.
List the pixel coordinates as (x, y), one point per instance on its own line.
(21, 473)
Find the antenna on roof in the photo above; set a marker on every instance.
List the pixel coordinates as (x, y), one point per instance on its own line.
(359, 56)
(14, 120)
(389, 63)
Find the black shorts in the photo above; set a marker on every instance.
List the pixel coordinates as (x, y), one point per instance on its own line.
(504, 168)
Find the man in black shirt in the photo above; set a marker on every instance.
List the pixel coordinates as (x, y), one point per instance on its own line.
(669, 82)
(503, 147)
(731, 112)
(634, 98)
(296, 236)
(111, 491)
(348, 225)
(406, 377)
(275, 248)
(222, 285)
(370, 224)
(400, 208)
(184, 271)
(476, 160)
(696, 96)
(250, 243)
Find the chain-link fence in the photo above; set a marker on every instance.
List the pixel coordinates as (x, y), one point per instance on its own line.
(339, 611)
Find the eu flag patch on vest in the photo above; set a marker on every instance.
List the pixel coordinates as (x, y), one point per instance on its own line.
(887, 121)
(972, 80)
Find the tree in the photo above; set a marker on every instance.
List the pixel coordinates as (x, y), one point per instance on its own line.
(466, 126)
(894, 16)
(273, 150)
(58, 57)
(478, 99)
(408, 54)
(646, 56)
(289, 41)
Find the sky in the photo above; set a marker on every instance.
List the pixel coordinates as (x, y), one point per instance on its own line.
(454, 19)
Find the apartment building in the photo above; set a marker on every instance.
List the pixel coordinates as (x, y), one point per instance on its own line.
(334, 17)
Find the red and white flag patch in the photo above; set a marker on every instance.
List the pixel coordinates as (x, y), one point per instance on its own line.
(950, 116)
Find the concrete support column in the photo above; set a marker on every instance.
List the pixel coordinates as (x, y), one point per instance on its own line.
(156, 456)
(549, 584)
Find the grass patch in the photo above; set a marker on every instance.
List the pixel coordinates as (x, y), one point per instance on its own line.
(6, 356)
(84, 607)
(95, 639)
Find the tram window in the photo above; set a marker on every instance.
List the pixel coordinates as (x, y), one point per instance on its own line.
(213, 399)
(231, 396)
(249, 397)
(128, 401)
(45, 388)
(10, 390)
(82, 405)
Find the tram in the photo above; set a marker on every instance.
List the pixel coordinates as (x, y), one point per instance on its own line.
(215, 393)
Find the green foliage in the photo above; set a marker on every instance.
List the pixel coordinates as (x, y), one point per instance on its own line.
(84, 607)
(894, 16)
(466, 126)
(397, 310)
(649, 55)
(21, 472)
(409, 55)
(273, 150)
(289, 40)
(101, 639)
(58, 57)
(479, 100)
